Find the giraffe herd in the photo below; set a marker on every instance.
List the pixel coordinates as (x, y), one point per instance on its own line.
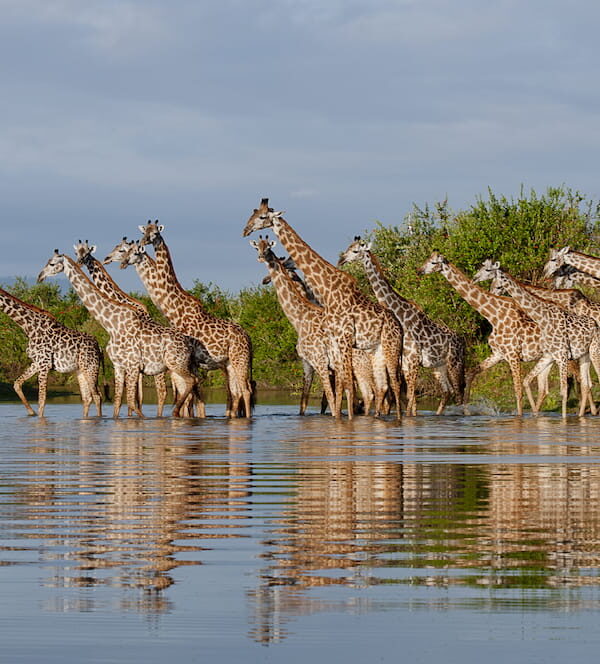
(343, 335)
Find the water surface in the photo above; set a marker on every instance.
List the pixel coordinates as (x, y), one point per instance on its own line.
(287, 538)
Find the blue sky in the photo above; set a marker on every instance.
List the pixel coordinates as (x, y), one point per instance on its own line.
(341, 112)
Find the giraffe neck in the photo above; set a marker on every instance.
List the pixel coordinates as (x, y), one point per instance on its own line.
(108, 287)
(492, 307)
(26, 316)
(531, 304)
(173, 296)
(382, 288)
(294, 305)
(583, 262)
(331, 286)
(561, 296)
(586, 279)
(106, 311)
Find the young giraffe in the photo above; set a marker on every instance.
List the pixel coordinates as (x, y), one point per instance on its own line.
(227, 343)
(361, 362)
(314, 346)
(364, 324)
(514, 338)
(426, 343)
(84, 253)
(133, 253)
(52, 345)
(137, 343)
(565, 336)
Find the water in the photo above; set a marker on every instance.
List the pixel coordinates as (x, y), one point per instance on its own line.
(287, 538)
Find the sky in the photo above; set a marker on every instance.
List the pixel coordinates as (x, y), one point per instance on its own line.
(342, 112)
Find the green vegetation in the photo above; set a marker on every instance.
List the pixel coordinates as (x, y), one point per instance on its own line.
(518, 232)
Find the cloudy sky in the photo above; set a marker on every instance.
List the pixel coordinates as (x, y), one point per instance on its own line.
(342, 112)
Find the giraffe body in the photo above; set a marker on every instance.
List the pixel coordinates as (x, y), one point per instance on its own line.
(564, 335)
(137, 343)
(515, 337)
(227, 343)
(426, 342)
(366, 324)
(53, 346)
(84, 254)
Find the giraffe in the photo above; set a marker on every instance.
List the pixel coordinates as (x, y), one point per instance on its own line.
(227, 343)
(137, 343)
(569, 298)
(52, 345)
(361, 362)
(567, 256)
(314, 346)
(366, 324)
(84, 253)
(564, 336)
(426, 342)
(514, 338)
(567, 276)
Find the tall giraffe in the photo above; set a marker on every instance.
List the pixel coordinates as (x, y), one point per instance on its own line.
(514, 338)
(314, 346)
(426, 342)
(227, 343)
(366, 324)
(361, 362)
(565, 336)
(52, 345)
(137, 343)
(84, 253)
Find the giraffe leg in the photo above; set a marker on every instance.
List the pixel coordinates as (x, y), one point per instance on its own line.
(442, 376)
(586, 383)
(186, 382)
(131, 389)
(31, 370)
(161, 393)
(309, 373)
(42, 389)
(85, 391)
(595, 360)
(119, 386)
(543, 389)
(410, 369)
(544, 364)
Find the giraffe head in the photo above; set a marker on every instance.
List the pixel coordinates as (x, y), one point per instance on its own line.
(435, 263)
(151, 232)
(262, 217)
(116, 255)
(264, 249)
(357, 251)
(134, 255)
(55, 265)
(84, 252)
(557, 259)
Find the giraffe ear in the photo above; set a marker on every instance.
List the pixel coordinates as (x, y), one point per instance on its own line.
(142, 249)
(76, 247)
(142, 228)
(161, 228)
(278, 214)
(93, 249)
(254, 243)
(564, 251)
(496, 265)
(272, 243)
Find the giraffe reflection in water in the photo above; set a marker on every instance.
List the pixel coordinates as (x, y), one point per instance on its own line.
(128, 514)
(407, 512)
